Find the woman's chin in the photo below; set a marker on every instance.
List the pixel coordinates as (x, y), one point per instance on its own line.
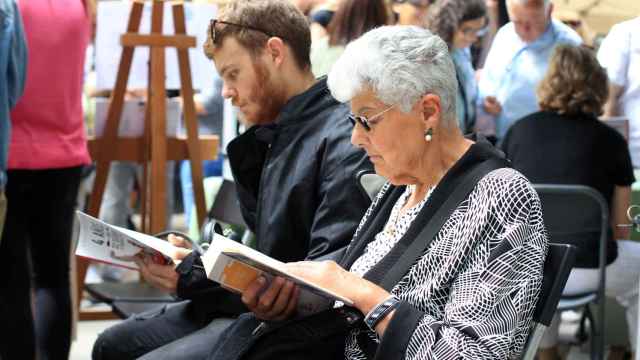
(385, 173)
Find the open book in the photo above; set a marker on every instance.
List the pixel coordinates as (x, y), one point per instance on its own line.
(114, 245)
(234, 266)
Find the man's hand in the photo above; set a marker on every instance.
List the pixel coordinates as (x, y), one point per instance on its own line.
(164, 277)
(492, 105)
(276, 303)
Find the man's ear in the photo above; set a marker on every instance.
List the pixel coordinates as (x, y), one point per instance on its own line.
(275, 50)
(431, 110)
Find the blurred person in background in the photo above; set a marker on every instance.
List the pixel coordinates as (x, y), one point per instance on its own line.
(517, 61)
(47, 151)
(411, 12)
(619, 51)
(460, 23)
(13, 63)
(352, 19)
(320, 18)
(576, 148)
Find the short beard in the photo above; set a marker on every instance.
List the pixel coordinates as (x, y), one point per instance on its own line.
(269, 97)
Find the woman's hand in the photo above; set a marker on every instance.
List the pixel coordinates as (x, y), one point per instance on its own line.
(332, 276)
(275, 303)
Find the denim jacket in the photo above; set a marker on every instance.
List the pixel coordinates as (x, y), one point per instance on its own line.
(13, 64)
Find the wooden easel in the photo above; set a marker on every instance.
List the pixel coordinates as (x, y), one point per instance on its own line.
(153, 149)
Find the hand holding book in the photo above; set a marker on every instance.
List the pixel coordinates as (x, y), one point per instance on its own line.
(164, 276)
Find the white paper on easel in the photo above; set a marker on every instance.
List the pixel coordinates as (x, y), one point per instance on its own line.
(132, 119)
(112, 23)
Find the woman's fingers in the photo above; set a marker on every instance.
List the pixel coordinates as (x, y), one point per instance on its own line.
(282, 301)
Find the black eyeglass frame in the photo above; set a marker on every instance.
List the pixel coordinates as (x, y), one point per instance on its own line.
(364, 121)
(213, 22)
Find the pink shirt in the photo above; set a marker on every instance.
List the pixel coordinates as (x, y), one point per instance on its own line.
(48, 127)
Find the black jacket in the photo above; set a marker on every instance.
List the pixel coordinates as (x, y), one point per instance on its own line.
(296, 182)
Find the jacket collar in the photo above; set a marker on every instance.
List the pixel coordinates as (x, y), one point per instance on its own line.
(306, 105)
(480, 151)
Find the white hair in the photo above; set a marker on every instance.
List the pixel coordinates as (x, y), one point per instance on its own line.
(400, 64)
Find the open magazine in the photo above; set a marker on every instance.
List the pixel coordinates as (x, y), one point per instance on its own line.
(114, 245)
(234, 266)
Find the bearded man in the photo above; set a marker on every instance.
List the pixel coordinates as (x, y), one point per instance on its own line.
(294, 171)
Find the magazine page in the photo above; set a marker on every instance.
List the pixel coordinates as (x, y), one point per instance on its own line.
(114, 245)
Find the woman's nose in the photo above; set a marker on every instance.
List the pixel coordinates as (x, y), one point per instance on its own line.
(358, 135)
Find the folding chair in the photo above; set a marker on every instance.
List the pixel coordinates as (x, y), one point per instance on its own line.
(579, 215)
(560, 260)
(225, 212)
(370, 183)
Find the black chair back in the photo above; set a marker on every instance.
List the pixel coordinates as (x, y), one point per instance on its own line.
(579, 215)
(558, 265)
(226, 207)
(576, 215)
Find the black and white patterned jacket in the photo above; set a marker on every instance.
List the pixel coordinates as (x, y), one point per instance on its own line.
(472, 293)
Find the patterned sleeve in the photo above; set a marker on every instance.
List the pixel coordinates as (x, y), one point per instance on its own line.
(493, 255)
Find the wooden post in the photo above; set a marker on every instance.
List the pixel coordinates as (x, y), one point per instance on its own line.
(190, 116)
(153, 149)
(158, 101)
(109, 137)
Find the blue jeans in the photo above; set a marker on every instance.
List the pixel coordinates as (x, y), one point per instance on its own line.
(209, 168)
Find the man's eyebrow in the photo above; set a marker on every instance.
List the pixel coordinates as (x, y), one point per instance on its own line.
(224, 69)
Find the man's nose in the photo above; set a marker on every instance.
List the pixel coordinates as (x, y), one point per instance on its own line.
(227, 92)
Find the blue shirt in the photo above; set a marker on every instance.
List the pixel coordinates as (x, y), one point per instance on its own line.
(514, 68)
(467, 89)
(13, 63)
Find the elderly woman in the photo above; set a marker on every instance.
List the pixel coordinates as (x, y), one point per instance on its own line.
(577, 148)
(470, 293)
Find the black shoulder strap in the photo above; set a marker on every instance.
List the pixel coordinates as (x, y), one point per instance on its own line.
(421, 242)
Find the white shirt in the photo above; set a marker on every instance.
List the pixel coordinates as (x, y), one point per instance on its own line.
(514, 68)
(620, 55)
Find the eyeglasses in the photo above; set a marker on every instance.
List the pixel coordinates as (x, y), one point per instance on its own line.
(212, 28)
(477, 32)
(364, 121)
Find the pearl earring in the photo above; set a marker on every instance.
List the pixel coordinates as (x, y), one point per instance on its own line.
(428, 135)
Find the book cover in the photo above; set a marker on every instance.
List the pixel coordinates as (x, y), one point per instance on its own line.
(234, 266)
(118, 246)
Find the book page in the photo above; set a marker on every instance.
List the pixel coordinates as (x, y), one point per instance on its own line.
(234, 266)
(114, 245)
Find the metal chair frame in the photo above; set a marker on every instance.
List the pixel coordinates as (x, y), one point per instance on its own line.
(597, 296)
